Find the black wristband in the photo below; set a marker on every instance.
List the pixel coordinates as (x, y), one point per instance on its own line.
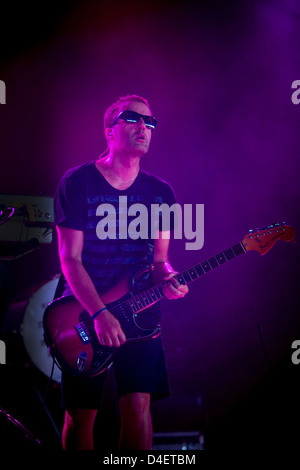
(97, 313)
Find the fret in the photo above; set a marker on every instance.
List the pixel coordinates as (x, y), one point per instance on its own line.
(139, 302)
(221, 258)
(199, 270)
(160, 290)
(187, 279)
(193, 274)
(180, 279)
(229, 254)
(157, 291)
(238, 249)
(145, 299)
(213, 262)
(148, 295)
(153, 295)
(206, 266)
(133, 306)
(207, 261)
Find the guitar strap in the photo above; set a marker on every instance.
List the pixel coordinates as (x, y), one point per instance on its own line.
(60, 287)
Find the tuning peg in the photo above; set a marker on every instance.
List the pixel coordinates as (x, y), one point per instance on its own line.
(251, 231)
(271, 226)
(283, 223)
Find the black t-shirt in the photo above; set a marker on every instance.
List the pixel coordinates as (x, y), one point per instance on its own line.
(81, 203)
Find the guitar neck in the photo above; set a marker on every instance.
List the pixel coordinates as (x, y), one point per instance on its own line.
(190, 275)
(154, 294)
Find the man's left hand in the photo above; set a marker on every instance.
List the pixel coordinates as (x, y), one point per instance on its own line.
(174, 290)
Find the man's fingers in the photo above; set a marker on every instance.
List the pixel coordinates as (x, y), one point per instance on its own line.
(174, 290)
(109, 330)
(106, 341)
(113, 340)
(181, 287)
(122, 337)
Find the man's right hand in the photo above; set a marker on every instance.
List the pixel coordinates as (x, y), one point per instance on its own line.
(108, 330)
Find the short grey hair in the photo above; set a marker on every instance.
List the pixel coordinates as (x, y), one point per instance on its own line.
(114, 109)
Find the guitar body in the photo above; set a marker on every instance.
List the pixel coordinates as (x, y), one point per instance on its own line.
(70, 335)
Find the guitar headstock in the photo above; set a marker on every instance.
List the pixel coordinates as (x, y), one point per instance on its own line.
(262, 240)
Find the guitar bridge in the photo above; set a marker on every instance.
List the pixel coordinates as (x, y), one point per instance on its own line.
(83, 335)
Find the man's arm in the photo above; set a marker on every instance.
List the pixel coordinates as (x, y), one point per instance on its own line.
(70, 244)
(162, 269)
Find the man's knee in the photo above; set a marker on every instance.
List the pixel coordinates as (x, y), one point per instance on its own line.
(78, 429)
(80, 418)
(135, 404)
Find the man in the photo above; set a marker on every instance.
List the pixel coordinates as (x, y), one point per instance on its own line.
(90, 264)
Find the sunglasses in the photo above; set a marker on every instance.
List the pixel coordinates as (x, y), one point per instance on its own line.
(133, 117)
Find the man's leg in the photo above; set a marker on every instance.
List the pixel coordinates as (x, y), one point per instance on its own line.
(136, 424)
(78, 428)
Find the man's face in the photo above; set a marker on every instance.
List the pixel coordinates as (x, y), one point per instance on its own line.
(131, 138)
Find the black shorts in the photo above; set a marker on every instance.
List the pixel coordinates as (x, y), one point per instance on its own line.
(138, 367)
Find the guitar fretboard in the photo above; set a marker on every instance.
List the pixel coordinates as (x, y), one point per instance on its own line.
(154, 294)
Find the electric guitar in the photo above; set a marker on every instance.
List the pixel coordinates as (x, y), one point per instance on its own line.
(69, 330)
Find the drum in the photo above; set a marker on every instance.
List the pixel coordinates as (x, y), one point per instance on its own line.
(23, 328)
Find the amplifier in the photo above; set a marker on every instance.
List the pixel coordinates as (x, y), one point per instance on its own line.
(25, 218)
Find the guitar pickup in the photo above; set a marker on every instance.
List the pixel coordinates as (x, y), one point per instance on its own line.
(81, 361)
(82, 333)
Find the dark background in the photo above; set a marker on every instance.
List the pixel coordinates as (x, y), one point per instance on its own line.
(218, 77)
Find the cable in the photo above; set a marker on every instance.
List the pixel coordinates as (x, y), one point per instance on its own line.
(43, 404)
(264, 351)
